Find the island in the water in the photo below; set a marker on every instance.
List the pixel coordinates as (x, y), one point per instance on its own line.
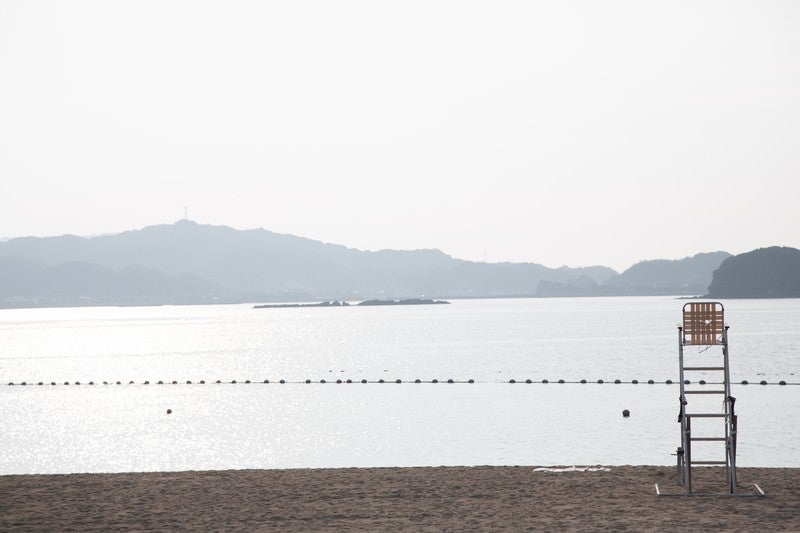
(335, 303)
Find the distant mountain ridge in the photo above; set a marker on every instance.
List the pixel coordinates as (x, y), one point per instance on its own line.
(688, 276)
(256, 264)
(187, 262)
(772, 272)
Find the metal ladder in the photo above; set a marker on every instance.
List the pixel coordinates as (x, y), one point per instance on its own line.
(704, 325)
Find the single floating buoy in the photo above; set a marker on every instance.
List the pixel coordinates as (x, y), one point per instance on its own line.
(417, 381)
(349, 381)
(450, 381)
(338, 381)
(398, 381)
(512, 381)
(471, 381)
(282, 381)
(561, 381)
(600, 381)
(381, 381)
(322, 381)
(363, 381)
(626, 413)
(583, 381)
(435, 381)
(635, 381)
(702, 382)
(266, 381)
(528, 381)
(617, 382)
(744, 382)
(169, 411)
(668, 382)
(650, 381)
(781, 382)
(308, 381)
(545, 381)
(763, 382)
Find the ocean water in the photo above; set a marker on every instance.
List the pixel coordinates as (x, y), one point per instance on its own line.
(116, 428)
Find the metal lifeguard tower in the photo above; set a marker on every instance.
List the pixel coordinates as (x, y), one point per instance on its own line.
(704, 326)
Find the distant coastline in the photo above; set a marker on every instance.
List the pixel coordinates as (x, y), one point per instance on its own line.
(336, 303)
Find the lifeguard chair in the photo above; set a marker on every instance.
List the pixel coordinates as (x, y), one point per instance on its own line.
(704, 326)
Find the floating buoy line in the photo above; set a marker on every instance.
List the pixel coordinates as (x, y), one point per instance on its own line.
(398, 381)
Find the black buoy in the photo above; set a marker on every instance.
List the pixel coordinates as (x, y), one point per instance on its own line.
(545, 381)
(626, 413)
(450, 381)
(322, 381)
(473, 381)
(363, 381)
(528, 381)
(650, 382)
(308, 381)
(417, 381)
(561, 381)
(338, 381)
(702, 382)
(781, 382)
(381, 381)
(763, 382)
(435, 380)
(512, 380)
(744, 382)
(583, 381)
(169, 411)
(600, 381)
(282, 381)
(349, 381)
(635, 381)
(398, 381)
(668, 382)
(617, 382)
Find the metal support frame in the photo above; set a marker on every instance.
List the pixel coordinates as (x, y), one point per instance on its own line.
(703, 325)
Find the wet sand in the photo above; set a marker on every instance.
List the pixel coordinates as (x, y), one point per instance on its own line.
(434, 499)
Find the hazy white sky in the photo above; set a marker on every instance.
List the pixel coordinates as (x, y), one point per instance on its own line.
(556, 132)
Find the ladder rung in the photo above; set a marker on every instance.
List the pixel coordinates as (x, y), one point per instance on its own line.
(705, 415)
(707, 438)
(708, 462)
(704, 368)
(704, 392)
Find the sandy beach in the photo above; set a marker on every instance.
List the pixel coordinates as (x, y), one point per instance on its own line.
(443, 498)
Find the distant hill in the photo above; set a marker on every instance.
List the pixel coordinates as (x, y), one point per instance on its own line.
(225, 264)
(688, 276)
(26, 282)
(764, 273)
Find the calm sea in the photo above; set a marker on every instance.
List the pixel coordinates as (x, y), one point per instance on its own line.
(113, 428)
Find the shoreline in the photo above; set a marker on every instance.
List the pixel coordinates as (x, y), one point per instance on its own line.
(412, 498)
